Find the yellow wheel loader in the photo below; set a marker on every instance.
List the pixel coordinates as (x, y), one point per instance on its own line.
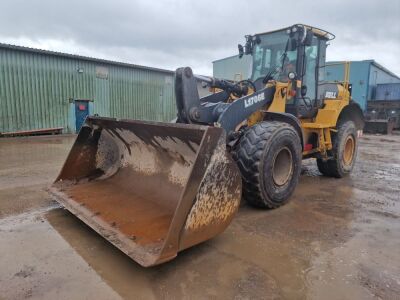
(153, 189)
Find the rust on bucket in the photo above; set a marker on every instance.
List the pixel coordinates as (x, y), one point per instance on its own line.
(152, 189)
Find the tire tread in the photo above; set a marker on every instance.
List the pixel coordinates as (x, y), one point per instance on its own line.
(248, 155)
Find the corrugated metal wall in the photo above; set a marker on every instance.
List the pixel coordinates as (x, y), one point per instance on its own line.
(364, 76)
(228, 67)
(36, 90)
(388, 91)
(378, 76)
(359, 78)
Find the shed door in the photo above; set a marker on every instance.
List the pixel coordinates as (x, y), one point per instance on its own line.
(81, 112)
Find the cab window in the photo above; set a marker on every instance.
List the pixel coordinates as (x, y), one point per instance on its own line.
(268, 56)
(310, 74)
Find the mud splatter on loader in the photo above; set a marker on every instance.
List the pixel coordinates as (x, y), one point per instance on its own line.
(154, 189)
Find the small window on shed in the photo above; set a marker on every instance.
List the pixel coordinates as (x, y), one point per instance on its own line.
(102, 72)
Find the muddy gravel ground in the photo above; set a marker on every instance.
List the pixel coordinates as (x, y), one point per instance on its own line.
(336, 239)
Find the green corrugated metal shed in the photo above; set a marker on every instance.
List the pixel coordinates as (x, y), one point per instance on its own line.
(233, 67)
(38, 87)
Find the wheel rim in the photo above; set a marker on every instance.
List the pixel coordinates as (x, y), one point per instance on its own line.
(282, 167)
(348, 153)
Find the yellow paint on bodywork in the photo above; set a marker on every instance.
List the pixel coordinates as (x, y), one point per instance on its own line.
(329, 115)
(323, 124)
(255, 118)
(325, 121)
(279, 102)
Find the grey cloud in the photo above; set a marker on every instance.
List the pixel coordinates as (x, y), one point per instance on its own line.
(176, 32)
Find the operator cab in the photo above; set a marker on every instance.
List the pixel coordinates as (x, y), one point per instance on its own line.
(296, 54)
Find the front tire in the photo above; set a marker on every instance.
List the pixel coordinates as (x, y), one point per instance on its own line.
(269, 157)
(344, 152)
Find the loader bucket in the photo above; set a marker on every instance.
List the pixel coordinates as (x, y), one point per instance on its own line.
(152, 189)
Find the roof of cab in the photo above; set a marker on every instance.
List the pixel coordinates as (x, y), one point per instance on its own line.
(320, 32)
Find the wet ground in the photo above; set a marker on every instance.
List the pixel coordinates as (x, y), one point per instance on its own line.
(336, 239)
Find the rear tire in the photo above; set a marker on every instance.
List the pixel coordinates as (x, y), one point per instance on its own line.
(269, 157)
(344, 152)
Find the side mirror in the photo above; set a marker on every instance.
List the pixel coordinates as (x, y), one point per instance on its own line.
(241, 51)
(292, 44)
(309, 38)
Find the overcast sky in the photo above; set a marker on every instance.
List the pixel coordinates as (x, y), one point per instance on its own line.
(173, 33)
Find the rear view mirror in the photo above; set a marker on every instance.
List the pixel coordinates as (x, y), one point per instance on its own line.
(241, 51)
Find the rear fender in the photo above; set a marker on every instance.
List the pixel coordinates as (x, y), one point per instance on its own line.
(352, 112)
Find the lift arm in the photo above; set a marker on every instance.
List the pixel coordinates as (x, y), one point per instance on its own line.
(192, 109)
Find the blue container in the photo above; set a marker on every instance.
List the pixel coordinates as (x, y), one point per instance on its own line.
(388, 91)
